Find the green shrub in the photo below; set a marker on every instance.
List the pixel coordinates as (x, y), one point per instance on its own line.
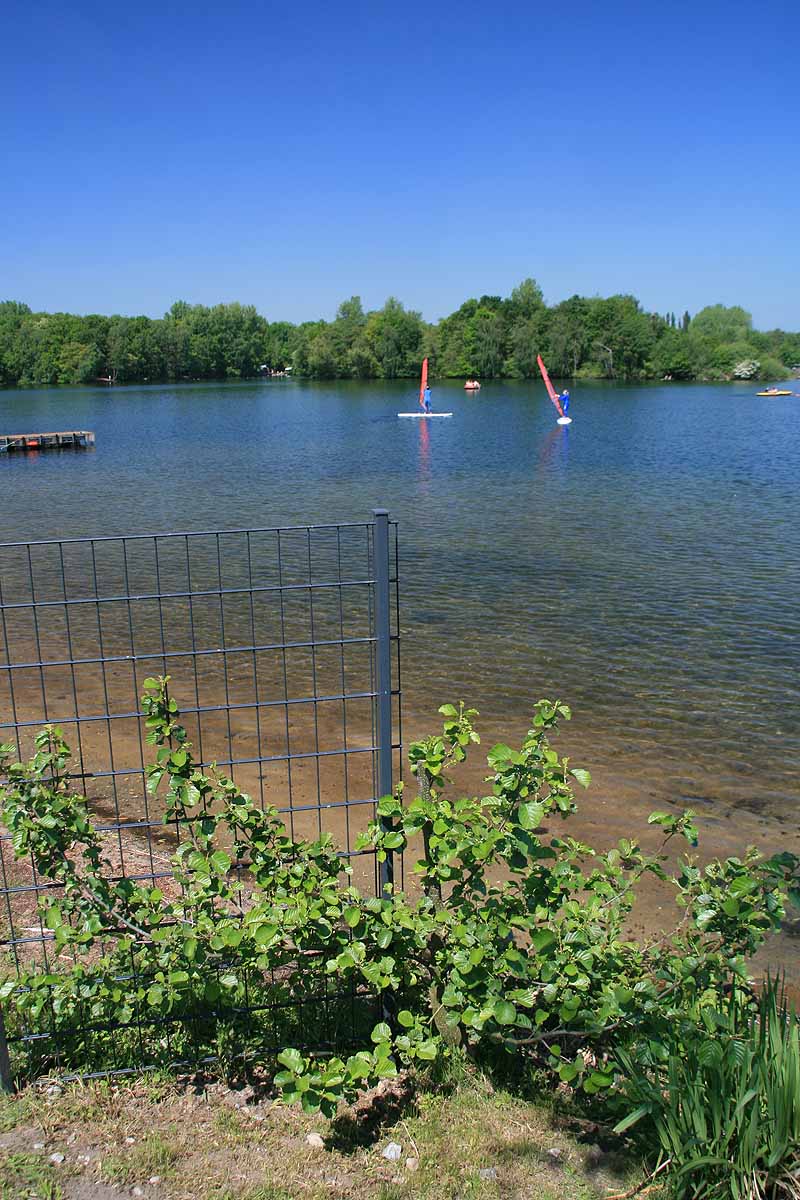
(771, 367)
(511, 947)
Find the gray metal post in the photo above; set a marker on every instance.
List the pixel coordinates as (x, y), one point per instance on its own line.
(6, 1079)
(383, 662)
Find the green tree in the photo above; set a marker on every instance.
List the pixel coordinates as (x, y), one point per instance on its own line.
(671, 357)
(526, 341)
(569, 336)
(722, 324)
(279, 345)
(395, 338)
(525, 302)
(594, 336)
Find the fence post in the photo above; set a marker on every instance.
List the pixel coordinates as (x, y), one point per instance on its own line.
(383, 662)
(6, 1079)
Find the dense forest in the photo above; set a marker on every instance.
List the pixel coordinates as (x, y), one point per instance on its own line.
(583, 337)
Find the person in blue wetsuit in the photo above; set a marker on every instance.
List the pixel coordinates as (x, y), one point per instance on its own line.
(426, 399)
(564, 398)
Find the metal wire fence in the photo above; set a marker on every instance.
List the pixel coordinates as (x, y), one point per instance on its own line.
(283, 650)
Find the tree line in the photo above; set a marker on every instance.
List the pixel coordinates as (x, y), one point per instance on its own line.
(492, 337)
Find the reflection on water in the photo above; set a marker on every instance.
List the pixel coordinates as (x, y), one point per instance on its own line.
(641, 563)
(424, 474)
(554, 450)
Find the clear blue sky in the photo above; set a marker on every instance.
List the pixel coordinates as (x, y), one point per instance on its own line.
(293, 154)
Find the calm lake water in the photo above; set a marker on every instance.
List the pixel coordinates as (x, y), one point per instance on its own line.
(643, 563)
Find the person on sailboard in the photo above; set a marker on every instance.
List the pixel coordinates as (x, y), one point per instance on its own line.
(564, 400)
(426, 399)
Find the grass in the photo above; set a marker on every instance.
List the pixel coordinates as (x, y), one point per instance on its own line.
(15, 1109)
(259, 1193)
(156, 1154)
(468, 1143)
(25, 1175)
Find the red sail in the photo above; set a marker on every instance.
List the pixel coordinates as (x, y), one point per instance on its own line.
(550, 389)
(423, 383)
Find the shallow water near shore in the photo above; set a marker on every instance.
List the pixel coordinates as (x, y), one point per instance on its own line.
(643, 564)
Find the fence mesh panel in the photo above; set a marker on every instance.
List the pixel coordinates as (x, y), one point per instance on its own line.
(272, 642)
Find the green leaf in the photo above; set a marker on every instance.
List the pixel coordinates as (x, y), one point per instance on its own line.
(505, 1013)
(53, 917)
(381, 1033)
(530, 815)
(221, 862)
(393, 841)
(601, 1079)
(292, 1059)
(352, 916)
(448, 710)
(405, 1018)
(264, 934)
(427, 1051)
(632, 1118)
(359, 1066)
(543, 939)
(501, 755)
(583, 777)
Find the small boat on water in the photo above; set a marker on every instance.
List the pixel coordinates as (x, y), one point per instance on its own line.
(563, 419)
(472, 385)
(775, 392)
(425, 412)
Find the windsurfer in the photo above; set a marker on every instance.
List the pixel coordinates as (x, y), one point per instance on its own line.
(426, 399)
(564, 398)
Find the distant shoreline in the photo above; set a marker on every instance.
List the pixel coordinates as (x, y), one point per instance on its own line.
(584, 338)
(448, 381)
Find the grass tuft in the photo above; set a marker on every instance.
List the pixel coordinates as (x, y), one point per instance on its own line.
(25, 1175)
(154, 1155)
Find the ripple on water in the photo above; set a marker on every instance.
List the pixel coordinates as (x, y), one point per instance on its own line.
(644, 563)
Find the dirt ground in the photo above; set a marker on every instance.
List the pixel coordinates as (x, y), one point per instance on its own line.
(168, 1141)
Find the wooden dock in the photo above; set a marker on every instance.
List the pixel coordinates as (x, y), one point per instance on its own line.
(74, 438)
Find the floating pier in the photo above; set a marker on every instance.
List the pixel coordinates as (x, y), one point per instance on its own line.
(76, 438)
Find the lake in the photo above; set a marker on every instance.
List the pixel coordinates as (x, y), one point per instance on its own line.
(643, 563)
